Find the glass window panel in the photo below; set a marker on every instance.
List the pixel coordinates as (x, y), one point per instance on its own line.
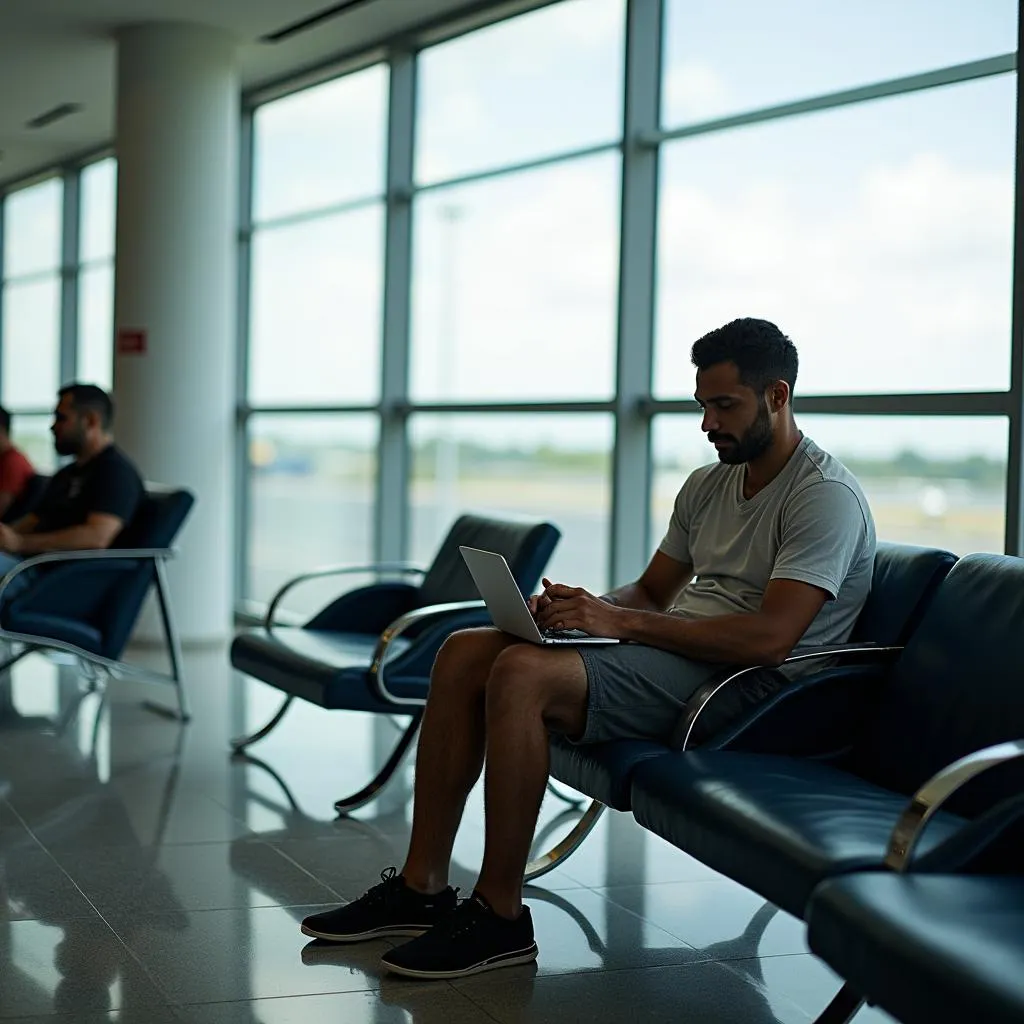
(548, 467)
(529, 87)
(932, 480)
(723, 59)
(32, 228)
(99, 203)
(879, 237)
(321, 146)
(514, 285)
(32, 435)
(316, 307)
(312, 481)
(31, 349)
(96, 325)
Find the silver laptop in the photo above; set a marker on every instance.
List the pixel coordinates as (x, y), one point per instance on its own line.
(497, 586)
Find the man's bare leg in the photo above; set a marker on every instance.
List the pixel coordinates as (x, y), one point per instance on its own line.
(451, 751)
(529, 690)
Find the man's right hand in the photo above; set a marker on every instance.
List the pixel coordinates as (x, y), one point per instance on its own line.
(540, 601)
(10, 540)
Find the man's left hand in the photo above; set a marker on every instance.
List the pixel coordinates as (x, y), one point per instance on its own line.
(10, 540)
(576, 608)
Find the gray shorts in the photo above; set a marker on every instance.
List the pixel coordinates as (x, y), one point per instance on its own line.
(640, 692)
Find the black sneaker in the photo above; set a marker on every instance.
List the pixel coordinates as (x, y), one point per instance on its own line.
(469, 940)
(391, 908)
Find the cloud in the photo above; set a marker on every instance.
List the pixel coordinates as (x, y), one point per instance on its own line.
(695, 91)
(903, 284)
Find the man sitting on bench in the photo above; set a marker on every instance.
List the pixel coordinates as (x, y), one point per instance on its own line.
(781, 541)
(89, 501)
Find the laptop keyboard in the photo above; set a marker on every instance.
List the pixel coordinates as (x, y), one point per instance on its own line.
(563, 634)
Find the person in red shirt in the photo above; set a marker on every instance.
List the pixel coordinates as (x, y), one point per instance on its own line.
(15, 469)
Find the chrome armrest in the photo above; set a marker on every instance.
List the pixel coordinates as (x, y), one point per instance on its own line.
(84, 555)
(697, 704)
(395, 630)
(935, 792)
(406, 568)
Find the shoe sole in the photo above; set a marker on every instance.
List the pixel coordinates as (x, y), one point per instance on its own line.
(523, 956)
(384, 932)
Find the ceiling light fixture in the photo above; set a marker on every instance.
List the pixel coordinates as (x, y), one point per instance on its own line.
(312, 21)
(57, 113)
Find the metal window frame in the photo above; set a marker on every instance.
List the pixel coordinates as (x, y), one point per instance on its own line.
(633, 405)
(1014, 539)
(391, 534)
(632, 472)
(70, 267)
(242, 506)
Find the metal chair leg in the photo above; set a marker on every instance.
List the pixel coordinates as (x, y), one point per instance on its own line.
(572, 801)
(844, 1006)
(383, 777)
(15, 657)
(239, 743)
(183, 714)
(553, 858)
(294, 809)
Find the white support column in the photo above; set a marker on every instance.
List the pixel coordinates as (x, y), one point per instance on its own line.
(177, 150)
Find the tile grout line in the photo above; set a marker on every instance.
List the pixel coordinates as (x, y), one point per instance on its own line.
(113, 931)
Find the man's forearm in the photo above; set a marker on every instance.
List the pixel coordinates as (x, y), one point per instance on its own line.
(75, 538)
(730, 639)
(632, 595)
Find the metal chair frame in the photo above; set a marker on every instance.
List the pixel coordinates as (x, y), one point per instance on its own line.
(412, 706)
(114, 668)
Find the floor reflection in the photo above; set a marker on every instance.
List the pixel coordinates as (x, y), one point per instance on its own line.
(146, 876)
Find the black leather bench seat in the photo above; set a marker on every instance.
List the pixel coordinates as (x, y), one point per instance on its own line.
(327, 668)
(776, 824)
(927, 948)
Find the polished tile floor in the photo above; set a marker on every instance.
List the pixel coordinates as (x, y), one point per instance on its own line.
(147, 877)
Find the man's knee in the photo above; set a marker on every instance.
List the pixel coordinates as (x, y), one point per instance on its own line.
(550, 683)
(465, 658)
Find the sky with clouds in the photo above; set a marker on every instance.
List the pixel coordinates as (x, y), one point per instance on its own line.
(877, 235)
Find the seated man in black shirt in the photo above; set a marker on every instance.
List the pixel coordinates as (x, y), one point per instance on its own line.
(88, 501)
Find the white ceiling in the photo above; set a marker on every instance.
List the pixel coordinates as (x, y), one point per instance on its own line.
(61, 51)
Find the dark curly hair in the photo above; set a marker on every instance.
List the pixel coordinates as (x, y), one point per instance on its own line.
(90, 398)
(761, 352)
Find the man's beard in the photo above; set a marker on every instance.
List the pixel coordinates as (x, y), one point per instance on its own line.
(755, 442)
(68, 446)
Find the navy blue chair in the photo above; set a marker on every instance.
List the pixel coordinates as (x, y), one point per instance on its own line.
(86, 603)
(372, 648)
(29, 498)
(832, 777)
(928, 947)
(904, 580)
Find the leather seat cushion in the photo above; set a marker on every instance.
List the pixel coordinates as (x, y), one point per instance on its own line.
(926, 947)
(326, 668)
(777, 825)
(604, 771)
(55, 627)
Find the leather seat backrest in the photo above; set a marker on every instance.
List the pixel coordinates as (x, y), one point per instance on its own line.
(903, 583)
(527, 546)
(959, 684)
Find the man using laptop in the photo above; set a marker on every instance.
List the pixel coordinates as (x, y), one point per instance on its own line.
(771, 547)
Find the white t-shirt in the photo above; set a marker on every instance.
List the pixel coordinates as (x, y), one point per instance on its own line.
(811, 523)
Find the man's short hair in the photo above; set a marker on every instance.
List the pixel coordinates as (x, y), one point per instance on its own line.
(761, 352)
(90, 398)
(5, 420)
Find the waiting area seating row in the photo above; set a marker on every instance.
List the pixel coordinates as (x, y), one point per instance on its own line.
(816, 796)
(882, 802)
